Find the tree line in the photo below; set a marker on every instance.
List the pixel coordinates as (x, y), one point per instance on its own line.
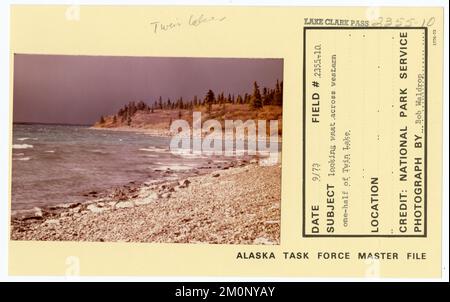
(256, 100)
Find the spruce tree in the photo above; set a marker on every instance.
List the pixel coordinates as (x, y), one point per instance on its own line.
(265, 96)
(278, 95)
(195, 101)
(209, 100)
(256, 100)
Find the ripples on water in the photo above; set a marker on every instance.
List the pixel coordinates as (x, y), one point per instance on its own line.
(53, 164)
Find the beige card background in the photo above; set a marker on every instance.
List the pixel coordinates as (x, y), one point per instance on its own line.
(246, 32)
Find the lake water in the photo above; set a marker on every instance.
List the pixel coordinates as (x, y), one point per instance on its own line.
(53, 164)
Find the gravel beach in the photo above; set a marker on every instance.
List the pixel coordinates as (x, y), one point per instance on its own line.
(235, 205)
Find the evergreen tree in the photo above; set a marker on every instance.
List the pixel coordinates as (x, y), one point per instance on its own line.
(141, 106)
(246, 98)
(132, 109)
(265, 96)
(256, 100)
(195, 101)
(209, 100)
(125, 116)
(229, 100)
(278, 95)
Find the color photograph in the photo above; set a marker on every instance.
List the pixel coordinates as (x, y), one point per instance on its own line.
(146, 149)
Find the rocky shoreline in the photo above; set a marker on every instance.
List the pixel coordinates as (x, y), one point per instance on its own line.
(159, 132)
(149, 131)
(237, 203)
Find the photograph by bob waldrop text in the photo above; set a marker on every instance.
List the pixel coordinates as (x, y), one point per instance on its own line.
(146, 149)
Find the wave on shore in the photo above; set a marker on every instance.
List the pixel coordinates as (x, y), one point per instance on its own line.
(22, 146)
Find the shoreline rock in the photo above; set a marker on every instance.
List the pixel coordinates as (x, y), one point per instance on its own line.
(210, 209)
